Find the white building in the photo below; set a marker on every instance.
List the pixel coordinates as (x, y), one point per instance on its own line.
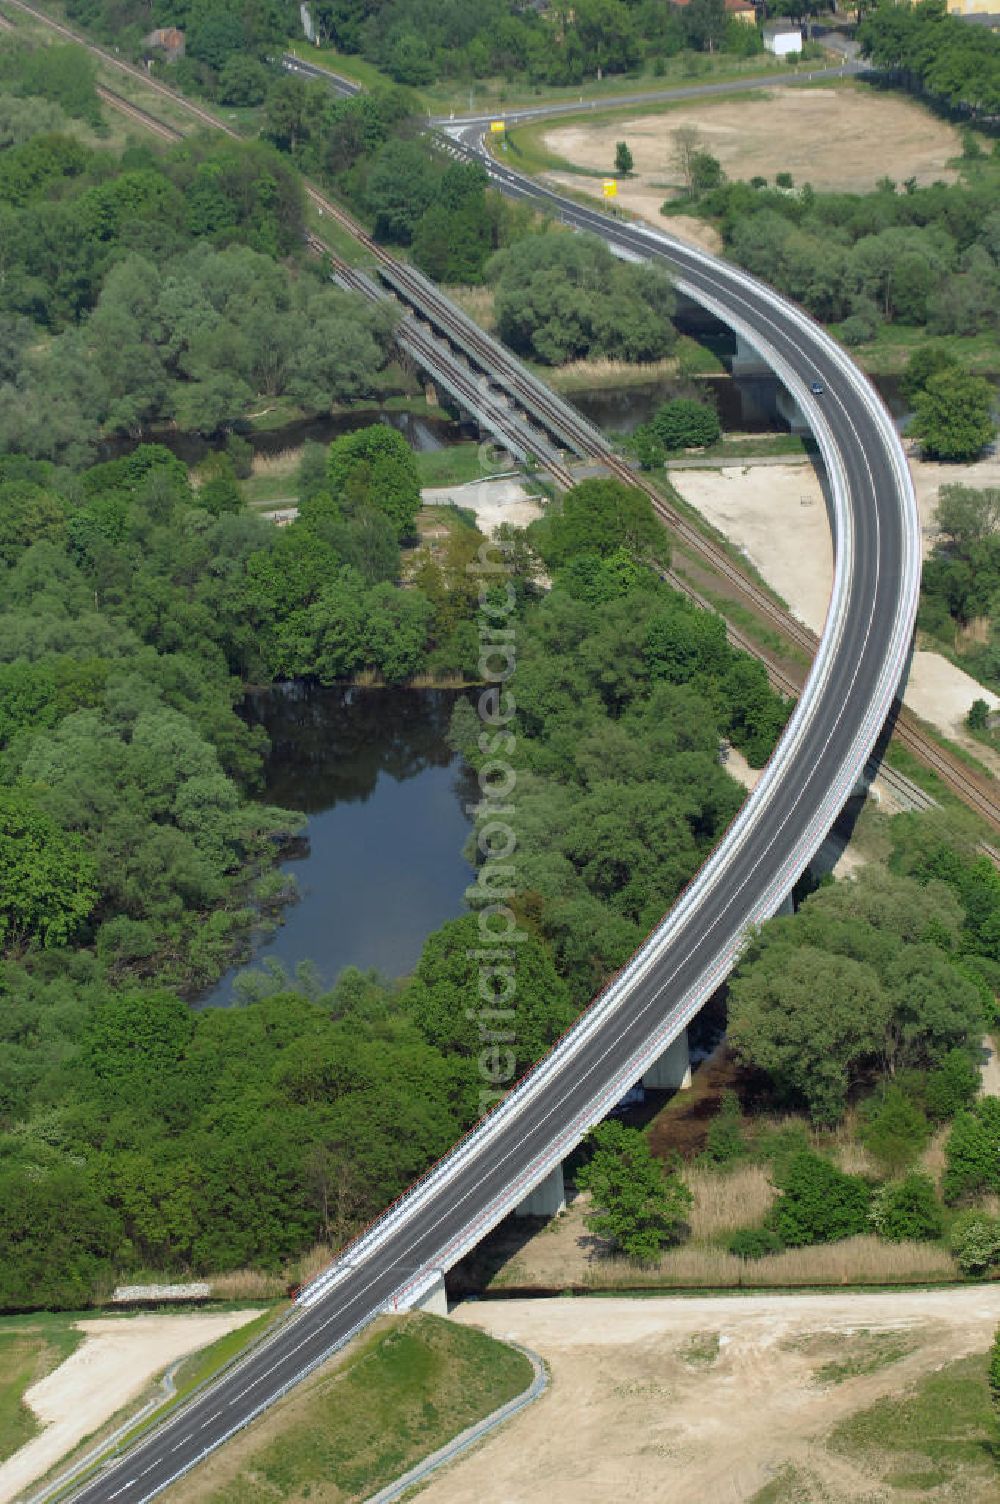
(782, 38)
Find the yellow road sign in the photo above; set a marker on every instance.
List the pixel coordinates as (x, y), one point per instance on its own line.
(610, 188)
(497, 127)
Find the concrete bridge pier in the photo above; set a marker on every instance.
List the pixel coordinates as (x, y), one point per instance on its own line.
(672, 1071)
(547, 1199)
(791, 411)
(747, 362)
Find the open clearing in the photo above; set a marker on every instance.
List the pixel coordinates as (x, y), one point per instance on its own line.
(112, 1365)
(776, 515)
(712, 1399)
(822, 136)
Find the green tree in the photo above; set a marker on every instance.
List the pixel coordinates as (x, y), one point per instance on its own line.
(706, 172)
(994, 1373)
(374, 467)
(504, 1037)
(953, 416)
(47, 880)
(978, 718)
(640, 1205)
(242, 81)
(600, 517)
(563, 297)
(926, 361)
(809, 1019)
(624, 162)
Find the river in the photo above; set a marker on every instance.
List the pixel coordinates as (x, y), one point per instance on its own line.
(384, 796)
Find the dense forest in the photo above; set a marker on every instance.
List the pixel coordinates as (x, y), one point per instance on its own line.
(230, 47)
(137, 1134)
(138, 600)
(928, 257)
(936, 54)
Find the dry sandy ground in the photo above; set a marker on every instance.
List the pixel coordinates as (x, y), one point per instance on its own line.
(929, 477)
(638, 1410)
(493, 501)
(821, 136)
(113, 1365)
(777, 516)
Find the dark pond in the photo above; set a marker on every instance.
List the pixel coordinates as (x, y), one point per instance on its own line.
(421, 432)
(385, 797)
(746, 404)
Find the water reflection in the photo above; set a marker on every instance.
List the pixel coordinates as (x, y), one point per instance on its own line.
(386, 797)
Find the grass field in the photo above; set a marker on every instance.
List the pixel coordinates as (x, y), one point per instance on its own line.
(888, 353)
(939, 1439)
(30, 1347)
(454, 465)
(408, 1388)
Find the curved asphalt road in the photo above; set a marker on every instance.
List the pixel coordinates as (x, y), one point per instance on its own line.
(855, 675)
(346, 87)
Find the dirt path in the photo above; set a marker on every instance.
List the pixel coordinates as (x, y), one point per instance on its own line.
(699, 1401)
(116, 1361)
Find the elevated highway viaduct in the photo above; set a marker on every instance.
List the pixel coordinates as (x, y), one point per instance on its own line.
(856, 674)
(852, 685)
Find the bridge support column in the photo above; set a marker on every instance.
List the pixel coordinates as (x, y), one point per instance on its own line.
(747, 362)
(791, 412)
(548, 1198)
(786, 907)
(672, 1071)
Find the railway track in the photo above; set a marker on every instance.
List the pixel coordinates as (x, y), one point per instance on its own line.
(142, 117)
(562, 421)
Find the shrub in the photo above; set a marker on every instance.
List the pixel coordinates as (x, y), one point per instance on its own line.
(819, 1203)
(724, 1141)
(893, 1128)
(973, 1151)
(639, 1204)
(685, 424)
(754, 1242)
(975, 1241)
(952, 1086)
(907, 1209)
(978, 718)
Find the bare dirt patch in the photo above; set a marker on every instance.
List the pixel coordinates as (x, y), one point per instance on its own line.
(116, 1360)
(821, 136)
(493, 501)
(777, 516)
(705, 1398)
(929, 477)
